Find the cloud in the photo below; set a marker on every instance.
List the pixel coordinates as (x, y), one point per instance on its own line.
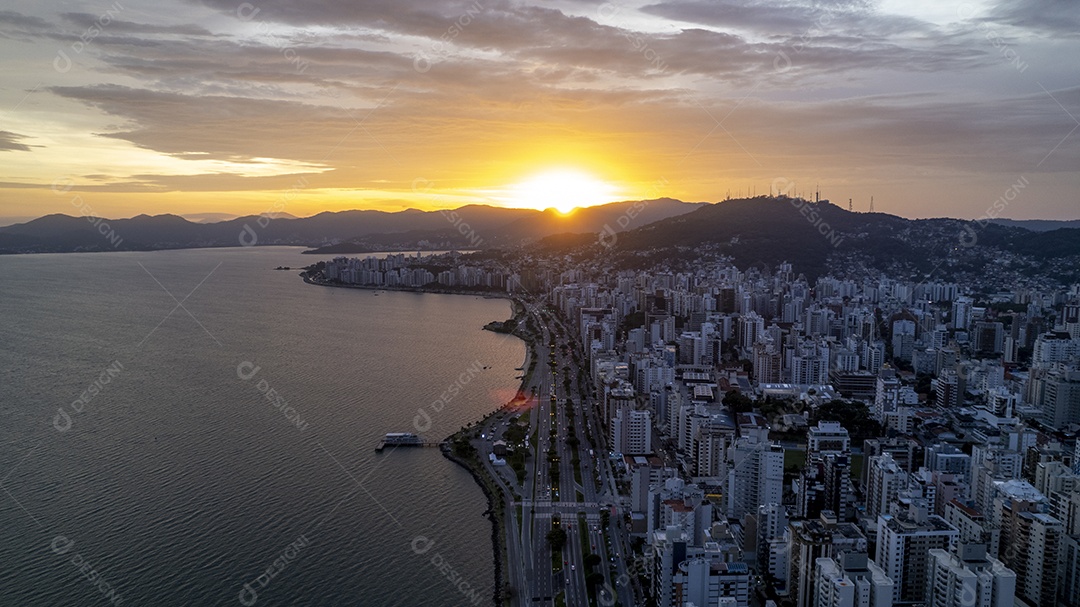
(790, 18)
(86, 20)
(225, 128)
(9, 19)
(1056, 17)
(331, 89)
(10, 142)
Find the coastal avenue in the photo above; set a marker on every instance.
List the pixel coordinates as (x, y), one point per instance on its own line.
(536, 576)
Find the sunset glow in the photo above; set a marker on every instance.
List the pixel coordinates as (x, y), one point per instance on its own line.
(563, 190)
(192, 107)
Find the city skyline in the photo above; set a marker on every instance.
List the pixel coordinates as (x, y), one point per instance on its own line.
(220, 107)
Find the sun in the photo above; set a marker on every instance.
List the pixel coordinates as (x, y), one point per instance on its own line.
(561, 189)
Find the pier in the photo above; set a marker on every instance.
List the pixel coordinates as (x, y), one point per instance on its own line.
(383, 445)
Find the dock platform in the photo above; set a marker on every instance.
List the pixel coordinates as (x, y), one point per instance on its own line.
(382, 445)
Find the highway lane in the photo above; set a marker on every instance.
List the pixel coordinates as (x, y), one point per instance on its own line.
(528, 551)
(582, 417)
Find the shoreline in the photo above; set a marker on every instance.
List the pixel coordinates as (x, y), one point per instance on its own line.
(496, 524)
(435, 290)
(480, 474)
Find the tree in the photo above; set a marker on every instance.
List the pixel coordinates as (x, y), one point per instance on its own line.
(556, 538)
(854, 416)
(592, 560)
(738, 402)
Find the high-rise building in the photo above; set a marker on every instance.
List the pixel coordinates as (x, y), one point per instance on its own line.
(756, 476)
(989, 338)
(903, 339)
(827, 437)
(886, 478)
(873, 355)
(961, 313)
(706, 579)
(677, 504)
(839, 493)
(974, 528)
(644, 473)
(709, 448)
(947, 389)
(890, 394)
(969, 578)
(824, 483)
(767, 362)
(683, 574)
(1031, 541)
(903, 549)
(772, 553)
(1069, 570)
(851, 580)
(1070, 319)
(620, 396)
(810, 364)
(631, 432)
(1059, 398)
(751, 326)
(813, 539)
(1054, 347)
(902, 450)
(946, 457)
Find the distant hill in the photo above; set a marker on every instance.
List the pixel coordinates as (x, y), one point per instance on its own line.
(823, 237)
(462, 227)
(7, 221)
(1037, 225)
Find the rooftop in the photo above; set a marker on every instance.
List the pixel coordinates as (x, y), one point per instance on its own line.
(1018, 489)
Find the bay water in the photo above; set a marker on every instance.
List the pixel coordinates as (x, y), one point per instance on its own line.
(195, 427)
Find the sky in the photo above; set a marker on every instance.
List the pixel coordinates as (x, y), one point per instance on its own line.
(933, 108)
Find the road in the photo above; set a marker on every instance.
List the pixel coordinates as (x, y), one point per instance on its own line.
(536, 576)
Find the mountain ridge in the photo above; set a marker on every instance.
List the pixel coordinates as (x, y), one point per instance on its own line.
(496, 226)
(821, 237)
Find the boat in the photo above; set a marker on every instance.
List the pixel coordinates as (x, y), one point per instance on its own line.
(402, 438)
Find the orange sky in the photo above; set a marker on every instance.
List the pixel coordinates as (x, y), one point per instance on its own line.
(191, 107)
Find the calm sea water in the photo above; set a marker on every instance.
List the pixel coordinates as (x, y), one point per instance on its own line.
(176, 482)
